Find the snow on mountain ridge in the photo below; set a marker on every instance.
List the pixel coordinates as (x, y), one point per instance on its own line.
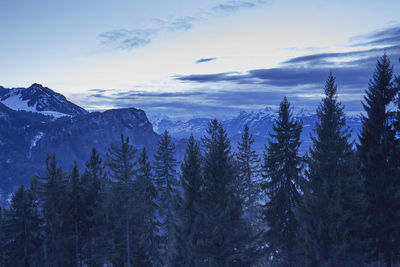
(39, 99)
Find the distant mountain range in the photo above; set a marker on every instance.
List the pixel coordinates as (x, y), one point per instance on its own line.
(259, 122)
(36, 120)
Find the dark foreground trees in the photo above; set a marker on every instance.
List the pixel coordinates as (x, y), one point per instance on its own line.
(333, 207)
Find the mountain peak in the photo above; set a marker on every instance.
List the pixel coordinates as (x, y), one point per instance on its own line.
(40, 99)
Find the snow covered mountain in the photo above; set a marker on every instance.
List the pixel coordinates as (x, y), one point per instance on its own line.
(259, 122)
(39, 99)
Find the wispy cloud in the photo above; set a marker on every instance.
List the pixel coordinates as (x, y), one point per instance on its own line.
(202, 60)
(128, 39)
(383, 37)
(232, 6)
(125, 39)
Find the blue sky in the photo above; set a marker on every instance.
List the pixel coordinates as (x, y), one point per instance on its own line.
(196, 58)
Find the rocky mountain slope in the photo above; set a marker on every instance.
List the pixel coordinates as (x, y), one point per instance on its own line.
(26, 136)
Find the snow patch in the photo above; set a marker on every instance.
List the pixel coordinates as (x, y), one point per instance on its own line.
(15, 102)
(36, 139)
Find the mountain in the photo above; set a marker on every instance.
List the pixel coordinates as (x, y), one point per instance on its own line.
(35, 121)
(39, 99)
(26, 136)
(260, 124)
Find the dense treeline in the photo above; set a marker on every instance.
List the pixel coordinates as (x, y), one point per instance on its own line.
(339, 205)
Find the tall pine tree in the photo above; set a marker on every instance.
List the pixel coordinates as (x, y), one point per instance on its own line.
(51, 190)
(94, 244)
(121, 165)
(282, 181)
(186, 236)
(22, 230)
(248, 163)
(378, 154)
(146, 207)
(77, 215)
(166, 184)
(225, 238)
(331, 217)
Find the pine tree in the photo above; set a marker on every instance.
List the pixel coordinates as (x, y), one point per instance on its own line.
(331, 213)
(145, 212)
(166, 184)
(52, 193)
(121, 165)
(22, 230)
(225, 238)
(282, 180)
(186, 234)
(378, 153)
(77, 216)
(95, 246)
(248, 162)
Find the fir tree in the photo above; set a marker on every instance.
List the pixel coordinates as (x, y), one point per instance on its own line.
(225, 238)
(52, 193)
(331, 214)
(248, 163)
(122, 171)
(95, 246)
(282, 179)
(77, 216)
(186, 235)
(166, 183)
(378, 152)
(22, 230)
(145, 212)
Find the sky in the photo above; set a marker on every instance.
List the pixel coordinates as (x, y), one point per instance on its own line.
(197, 58)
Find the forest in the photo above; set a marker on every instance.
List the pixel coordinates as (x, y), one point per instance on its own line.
(337, 205)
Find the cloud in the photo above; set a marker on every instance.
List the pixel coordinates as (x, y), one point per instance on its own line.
(292, 77)
(202, 60)
(352, 69)
(232, 6)
(301, 79)
(128, 39)
(388, 36)
(342, 59)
